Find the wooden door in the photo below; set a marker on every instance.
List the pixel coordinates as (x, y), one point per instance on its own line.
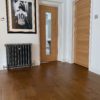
(82, 30)
(54, 33)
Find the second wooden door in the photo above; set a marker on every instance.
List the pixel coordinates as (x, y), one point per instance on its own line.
(82, 29)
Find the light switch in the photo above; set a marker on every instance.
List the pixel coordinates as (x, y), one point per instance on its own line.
(96, 16)
(2, 19)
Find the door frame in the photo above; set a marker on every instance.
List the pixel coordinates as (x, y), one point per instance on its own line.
(60, 6)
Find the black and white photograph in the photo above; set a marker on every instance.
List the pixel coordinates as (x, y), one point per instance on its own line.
(21, 16)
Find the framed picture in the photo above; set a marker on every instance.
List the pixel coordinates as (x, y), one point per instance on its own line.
(21, 15)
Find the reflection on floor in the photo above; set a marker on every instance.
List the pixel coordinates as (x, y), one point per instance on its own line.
(51, 81)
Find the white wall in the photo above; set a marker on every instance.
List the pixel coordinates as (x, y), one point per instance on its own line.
(65, 34)
(68, 32)
(6, 38)
(94, 64)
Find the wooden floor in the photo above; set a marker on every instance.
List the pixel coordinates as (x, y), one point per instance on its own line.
(52, 81)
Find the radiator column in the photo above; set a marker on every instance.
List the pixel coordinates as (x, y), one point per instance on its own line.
(18, 55)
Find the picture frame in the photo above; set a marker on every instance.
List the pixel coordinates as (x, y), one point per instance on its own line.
(21, 16)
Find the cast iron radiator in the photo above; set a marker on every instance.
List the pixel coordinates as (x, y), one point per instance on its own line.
(18, 55)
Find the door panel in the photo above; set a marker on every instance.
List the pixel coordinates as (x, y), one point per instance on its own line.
(50, 44)
(82, 27)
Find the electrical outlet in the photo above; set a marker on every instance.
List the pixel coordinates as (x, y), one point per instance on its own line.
(4, 67)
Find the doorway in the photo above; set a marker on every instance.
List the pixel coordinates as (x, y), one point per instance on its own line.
(82, 30)
(48, 33)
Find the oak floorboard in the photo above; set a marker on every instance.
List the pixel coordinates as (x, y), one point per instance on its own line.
(51, 81)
